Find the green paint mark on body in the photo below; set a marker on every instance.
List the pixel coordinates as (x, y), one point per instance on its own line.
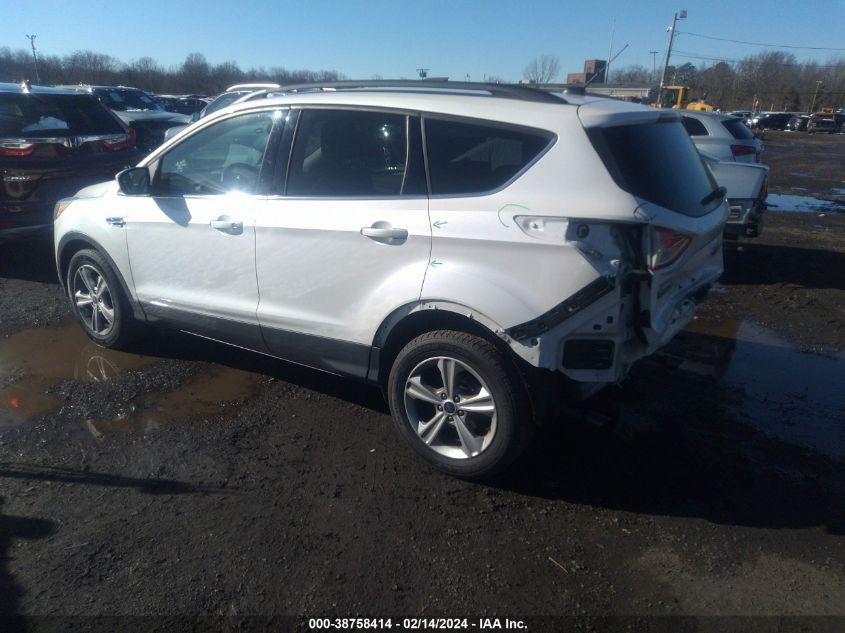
(439, 224)
(434, 263)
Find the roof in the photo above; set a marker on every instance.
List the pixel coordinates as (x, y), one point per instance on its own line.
(502, 103)
(507, 91)
(16, 88)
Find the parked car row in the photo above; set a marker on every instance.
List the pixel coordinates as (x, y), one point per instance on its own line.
(732, 154)
(137, 109)
(823, 121)
(183, 104)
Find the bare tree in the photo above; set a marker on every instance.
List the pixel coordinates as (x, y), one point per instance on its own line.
(631, 74)
(91, 68)
(542, 69)
(224, 75)
(195, 73)
(145, 73)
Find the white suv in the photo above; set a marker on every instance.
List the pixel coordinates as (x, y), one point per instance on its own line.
(457, 244)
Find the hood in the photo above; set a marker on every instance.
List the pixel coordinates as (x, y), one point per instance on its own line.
(98, 190)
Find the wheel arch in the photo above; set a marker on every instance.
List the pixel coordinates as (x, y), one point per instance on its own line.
(406, 323)
(72, 243)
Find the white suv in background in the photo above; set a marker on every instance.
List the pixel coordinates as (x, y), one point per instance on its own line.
(723, 136)
(457, 244)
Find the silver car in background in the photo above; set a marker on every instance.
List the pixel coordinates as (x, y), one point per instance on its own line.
(723, 136)
(747, 186)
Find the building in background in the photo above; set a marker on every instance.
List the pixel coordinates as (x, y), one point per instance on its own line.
(594, 70)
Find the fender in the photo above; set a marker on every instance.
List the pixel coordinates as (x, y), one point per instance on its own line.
(75, 236)
(524, 350)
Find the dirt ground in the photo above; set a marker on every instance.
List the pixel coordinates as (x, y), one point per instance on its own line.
(193, 479)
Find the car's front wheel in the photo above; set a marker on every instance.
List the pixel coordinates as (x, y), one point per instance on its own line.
(98, 301)
(460, 403)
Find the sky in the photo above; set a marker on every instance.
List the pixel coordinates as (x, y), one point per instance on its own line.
(459, 39)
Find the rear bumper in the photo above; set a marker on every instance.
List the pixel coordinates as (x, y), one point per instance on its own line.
(604, 339)
(745, 219)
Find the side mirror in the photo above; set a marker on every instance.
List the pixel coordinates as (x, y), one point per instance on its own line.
(195, 117)
(134, 181)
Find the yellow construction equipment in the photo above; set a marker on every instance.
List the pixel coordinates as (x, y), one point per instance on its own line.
(677, 98)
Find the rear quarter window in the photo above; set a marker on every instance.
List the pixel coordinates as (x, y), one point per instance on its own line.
(694, 127)
(473, 157)
(737, 129)
(658, 163)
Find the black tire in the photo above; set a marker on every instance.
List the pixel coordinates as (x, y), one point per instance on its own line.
(479, 365)
(90, 265)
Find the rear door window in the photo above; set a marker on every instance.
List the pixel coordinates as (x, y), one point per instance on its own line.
(475, 157)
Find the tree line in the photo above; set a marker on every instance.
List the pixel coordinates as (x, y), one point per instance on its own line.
(772, 80)
(194, 76)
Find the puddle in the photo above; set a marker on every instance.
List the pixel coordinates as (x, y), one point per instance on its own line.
(33, 361)
(803, 204)
(36, 360)
(217, 390)
(794, 396)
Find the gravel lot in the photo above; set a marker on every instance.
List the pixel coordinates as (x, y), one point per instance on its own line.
(193, 479)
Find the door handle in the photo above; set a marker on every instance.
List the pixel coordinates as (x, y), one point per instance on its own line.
(384, 233)
(225, 224)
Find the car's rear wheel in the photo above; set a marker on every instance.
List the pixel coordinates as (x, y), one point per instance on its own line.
(98, 300)
(460, 403)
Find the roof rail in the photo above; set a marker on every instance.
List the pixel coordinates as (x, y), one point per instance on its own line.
(503, 91)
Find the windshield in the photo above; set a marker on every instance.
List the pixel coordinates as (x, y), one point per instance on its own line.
(52, 115)
(227, 98)
(126, 99)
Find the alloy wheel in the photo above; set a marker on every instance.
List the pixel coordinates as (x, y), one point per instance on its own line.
(93, 300)
(450, 407)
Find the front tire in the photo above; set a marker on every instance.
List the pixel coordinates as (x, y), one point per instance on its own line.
(460, 403)
(98, 301)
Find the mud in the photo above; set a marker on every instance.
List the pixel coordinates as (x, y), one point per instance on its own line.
(190, 478)
(805, 164)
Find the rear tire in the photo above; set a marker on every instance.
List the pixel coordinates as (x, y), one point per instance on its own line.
(98, 301)
(460, 403)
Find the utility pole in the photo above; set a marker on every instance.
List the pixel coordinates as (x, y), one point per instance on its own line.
(34, 57)
(680, 15)
(819, 84)
(653, 64)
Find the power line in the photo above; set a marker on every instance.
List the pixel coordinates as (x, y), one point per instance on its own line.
(724, 39)
(688, 55)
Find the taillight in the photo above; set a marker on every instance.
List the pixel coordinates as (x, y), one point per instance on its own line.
(743, 150)
(670, 246)
(16, 148)
(124, 141)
